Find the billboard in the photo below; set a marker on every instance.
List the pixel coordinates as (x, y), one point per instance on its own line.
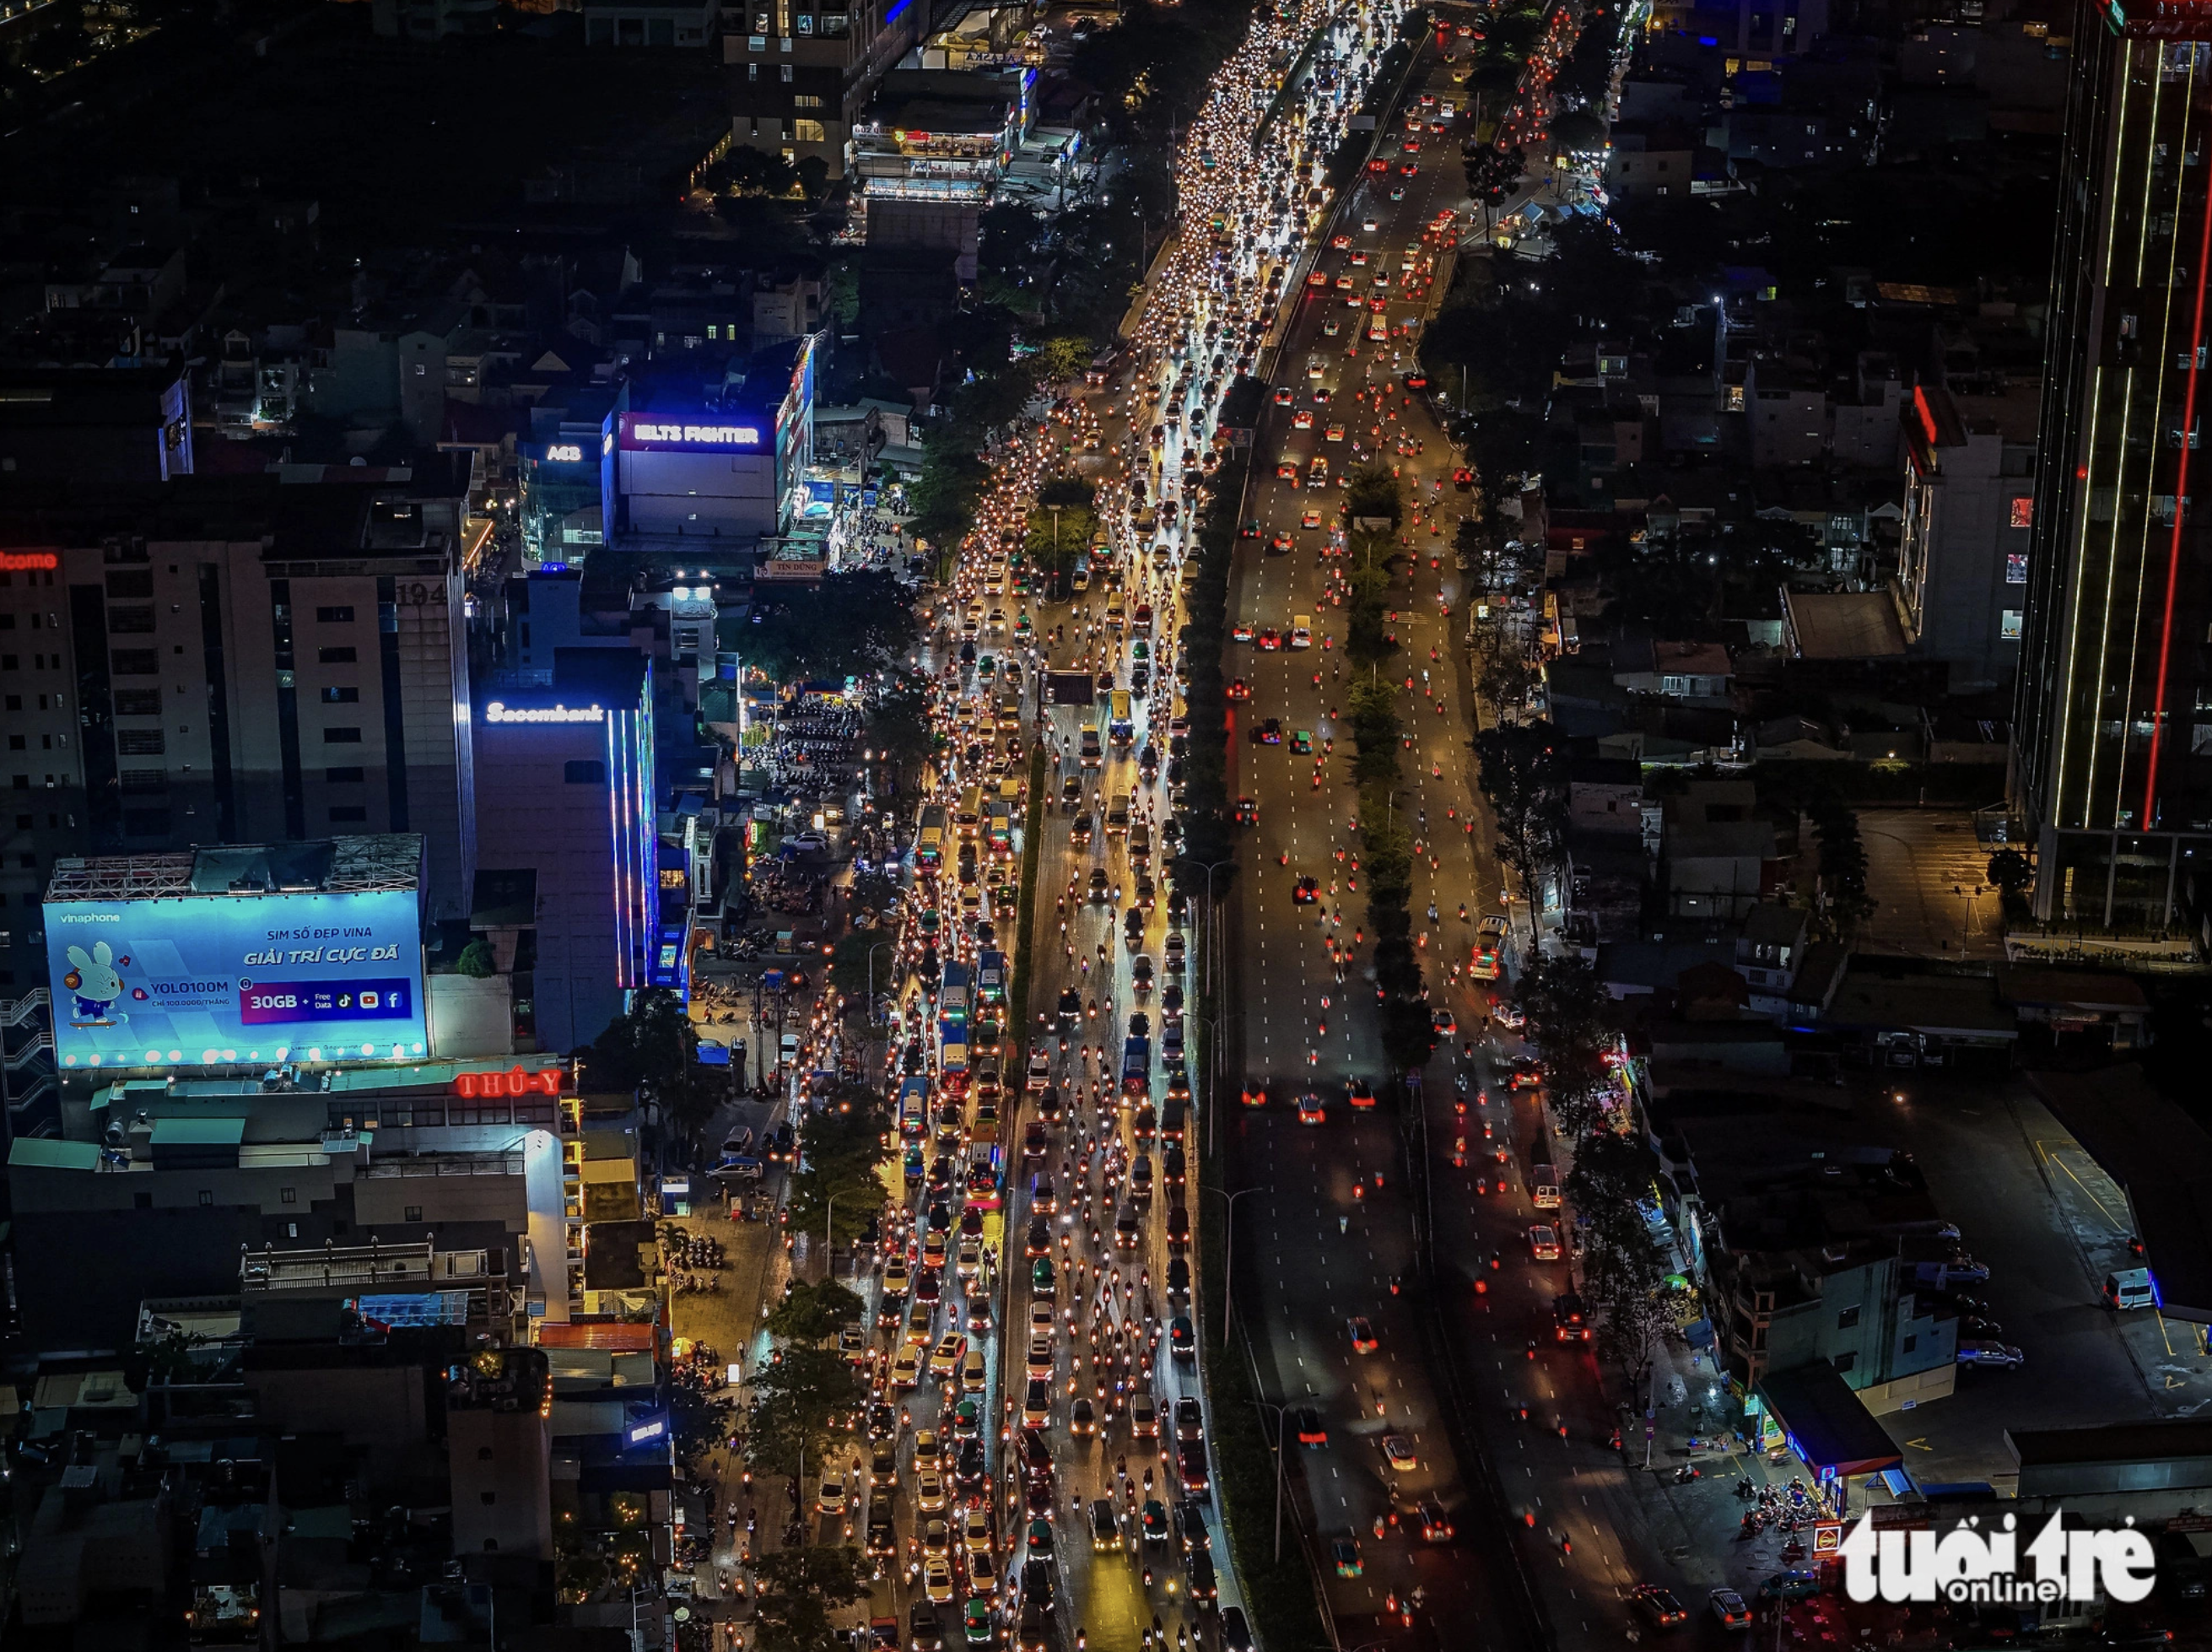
(209, 980)
(655, 433)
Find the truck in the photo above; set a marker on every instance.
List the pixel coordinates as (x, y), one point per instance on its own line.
(1120, 721)
(1544, 1186)
(1136, 1064)
(991, 976)
(1093, 753)
(929, 843)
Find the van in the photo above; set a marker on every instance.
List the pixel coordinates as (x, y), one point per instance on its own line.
(1544, 1186)
(1117, 813)
(969, 818)
(2132, 1288)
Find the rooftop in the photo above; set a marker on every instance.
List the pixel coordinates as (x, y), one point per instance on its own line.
(389, 860)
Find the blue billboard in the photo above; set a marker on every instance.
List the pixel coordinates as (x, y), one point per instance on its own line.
(209, 980)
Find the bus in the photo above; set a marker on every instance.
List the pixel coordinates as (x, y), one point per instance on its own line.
(929, 845)
(954, 999)
(914, 1109)
(991, 976)
(952, 1058)
(969, 820)
(1120, 721)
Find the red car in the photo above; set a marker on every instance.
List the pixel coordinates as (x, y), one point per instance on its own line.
(1247, 812)
(1362, 1094)
(1378, 164)
(1270, 639)
(1239, 690)
(1408, 169)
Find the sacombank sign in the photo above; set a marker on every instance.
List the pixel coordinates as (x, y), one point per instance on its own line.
(642, 433)
(500, 712)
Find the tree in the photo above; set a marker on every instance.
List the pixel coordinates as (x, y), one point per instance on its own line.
(749, 171)
(1524, 776)
(899, 726)
(800, 1396)
(852, 625)
(477, 960)
(2011, 872)
(1560, 994)
(798, 1590)
(839, 1172)
(863, 958)
(1638, 1305)
(1372, 491)
(1843, 863)
(1060, 358)
(814, 1313)
(652, 1050)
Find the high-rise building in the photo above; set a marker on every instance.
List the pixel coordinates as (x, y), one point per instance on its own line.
(800, 77)
(2112, 758)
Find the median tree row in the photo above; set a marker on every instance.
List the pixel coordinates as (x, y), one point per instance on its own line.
(1375, 508)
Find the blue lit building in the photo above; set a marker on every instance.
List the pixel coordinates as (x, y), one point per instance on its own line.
(565, 779)
(723, 464)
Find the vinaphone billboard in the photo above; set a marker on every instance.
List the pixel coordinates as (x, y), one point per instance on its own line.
(260, 975)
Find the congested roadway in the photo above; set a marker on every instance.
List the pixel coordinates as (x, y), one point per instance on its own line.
(997, 1508)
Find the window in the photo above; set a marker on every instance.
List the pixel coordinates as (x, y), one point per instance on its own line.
(22, 743)
(483, 1454)
(348, 814)
(132, 702)
(341, 697)
(1844, 1362)
(16, 702)
(1910, 1342)
(130, 582)
(1847, 1319)
(341, 737)
(289, 1195)
(344, 774)
(134, 662)
(142, 781)
(341, 614)
(489, 1497)
(339, 656)
(584, 771)
(787, 69)
(414, 1213)
(139, 741)
(206, 1195)
(2016, 567)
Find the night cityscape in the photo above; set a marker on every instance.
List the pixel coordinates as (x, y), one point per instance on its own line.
(1140, 825)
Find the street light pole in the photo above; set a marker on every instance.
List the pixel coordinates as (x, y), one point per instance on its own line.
(1228, 1248)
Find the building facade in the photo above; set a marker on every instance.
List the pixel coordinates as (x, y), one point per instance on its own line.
(2112, 760)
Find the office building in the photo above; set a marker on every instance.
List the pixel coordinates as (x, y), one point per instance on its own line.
(800, 77)
(1963, 556)
(2112, 762)
(727, 463)
(232, 660)
(567, 837)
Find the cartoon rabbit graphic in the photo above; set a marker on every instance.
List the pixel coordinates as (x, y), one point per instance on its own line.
(95, 983)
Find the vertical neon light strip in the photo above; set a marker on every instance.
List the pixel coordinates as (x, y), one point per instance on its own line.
(2180, 510)
(2088, 488)
(617, 783)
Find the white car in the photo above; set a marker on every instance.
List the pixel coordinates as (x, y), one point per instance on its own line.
(1040, 1072)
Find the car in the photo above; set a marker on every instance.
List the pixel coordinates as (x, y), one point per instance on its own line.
(831, 1499)
(1105, 1530)
(1039, 1540)
(1311, 519)
(1154, 1521)
(1082, 1416)
(1334, 433)
(1303, 419)
(1340, 242)
(1657, 1606)
(937, 1582)
(1099, 884)
(1039, 1586)
(1728, 1605)
(906, 1369)
(975, 1529)
(1284, 397)
(929, 1492)
(1302, 743)
(1270, 639)
(1239, 690)
(1445, 1023)
(1509, 1015)
(1312, 1429)
(1182, 1337)
(1360, 1094)
(1242, 631)
(883, 1466)
(1362, 1334)
(972, 1375)
(1436, 1525)
(1544, 1243)
(882, 1422)
(1144, 1417)
(945, 1358)
(1269, 733)
(1189, 1419)
(1570, 1319)
(1398, 1451)
(1247, 812)
(1044, 1357)
(1235, 1631)
(2001, 1356)
(1331, 327)
(1344, 1554)
(1036, 1404)
(1793, 1585)
(1311, 1109)
(976, 1622)
(1280, 544)
(1306, 890)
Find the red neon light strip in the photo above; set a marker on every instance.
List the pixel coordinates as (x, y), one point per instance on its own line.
(2180, 510)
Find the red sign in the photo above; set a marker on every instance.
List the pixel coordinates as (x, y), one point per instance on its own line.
(515, 1081)
(20, 561)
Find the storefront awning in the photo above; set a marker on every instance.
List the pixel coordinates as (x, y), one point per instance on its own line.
(1825, 1423)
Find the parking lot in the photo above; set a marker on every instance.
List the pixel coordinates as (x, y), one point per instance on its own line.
(1922, 868)
(2031, 1205)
